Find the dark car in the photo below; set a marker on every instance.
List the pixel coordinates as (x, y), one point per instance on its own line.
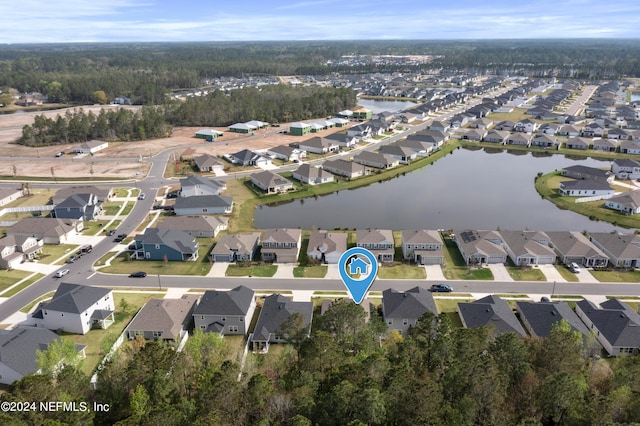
(139, 274)
(172, 195)
(120, 237)
(441, 288)
(111, 232)
(73, 258)
(158, 207)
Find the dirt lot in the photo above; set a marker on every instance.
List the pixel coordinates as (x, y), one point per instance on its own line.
(11, 129)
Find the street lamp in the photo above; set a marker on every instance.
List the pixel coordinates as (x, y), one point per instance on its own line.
(159, 284)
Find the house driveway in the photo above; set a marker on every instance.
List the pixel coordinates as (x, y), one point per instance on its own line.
(333, 272)
(552, 273)
(285, 270)
(499, 272)
(434, 272)
(218, 269)
(584, 276)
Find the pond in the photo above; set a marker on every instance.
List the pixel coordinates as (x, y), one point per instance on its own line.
(473, 189)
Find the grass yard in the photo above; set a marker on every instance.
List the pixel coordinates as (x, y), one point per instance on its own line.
(9, 278)
(454, 267)
(402, 271)
(567, 274)
(22, 286)
(617, 276)
(53, 252)
(99, 341)
(526, 274)
(450, 305)
(251, 271)
(104, 258)
(516, 115)
(315, 271)
(38, 197)
(94, 227)
(122, 192)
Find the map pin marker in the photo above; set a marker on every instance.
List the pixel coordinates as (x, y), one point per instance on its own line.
(358, 269)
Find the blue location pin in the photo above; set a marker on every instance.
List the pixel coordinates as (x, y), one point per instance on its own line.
(358, 268)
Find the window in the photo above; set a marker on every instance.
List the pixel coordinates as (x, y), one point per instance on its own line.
(233, 329)
(157, 246)
(157, 334)
(241, 319)
(405, 322)
(224, 319)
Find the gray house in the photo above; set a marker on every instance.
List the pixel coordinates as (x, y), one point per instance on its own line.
(203, 204)
(379, 241)
(236, 247)
(347, 169)
(209, 163)
(270, 182)
(327, 247)
(48, 229)
(480, 246)
(281, 245)
(225, 312)
(275, 310)
(572, 246)
(312, 175)
(493, 312)
(423, 246)
(539, 318)
(161, 243)
(78, 206)
(623, 250)
(614, 323)
(198, 226)
(163, 319)
(376, 160)
(401, 310)
(196, 185)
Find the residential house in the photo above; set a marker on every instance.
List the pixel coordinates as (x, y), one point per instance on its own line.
(166, 244)
(17, 249)
(607, 145)
(200, 226)
(375, 160)
(312, 175)
(441, 126)
(203, 204)
(163, 319)
(492, 312)
(569, 130)
(345, 114)
(497, 136)
(421, 148)
(585, 172)
(318, 145)
(402, 154)
(76, 308)
(623, 250)
(526, 126)
(478, 247)
(287, 153)
(401, 310)
(90, 147)
(48, 229)
(343, 140)
(505, 125)
(626, 202)
(347, 169)
(572, 246)
(614, 323)
(527, 248)
(209, 163)
(630, 147)
(578, 143)
(361, 131)
(102, 194)
(378, 241)
(327, 247)
(249, 158)
(281, 245)
(593, 130)
(625, 168)
(236, 247)
(225, 312)
(618, 134)
(242, 128)
(339, 122)
(549, 128)
(545, 140)
(275, 310)
(208, 134)
(270, 182)
(299, 129)
(19, 349)
(7, 195)
(423, 246)
(475, 134)
(585, 188)
(79, 206)
(196, 185)
(540, 317)
(523, 139)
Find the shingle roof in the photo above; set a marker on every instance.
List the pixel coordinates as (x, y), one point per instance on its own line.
(490, 311)
(411, 304)
(616, 321)
(177, 240)
(18, 347)
(233, 302)
(168, 316)
(75, 298)
(198, 201)
(542, 316)
(275, 310)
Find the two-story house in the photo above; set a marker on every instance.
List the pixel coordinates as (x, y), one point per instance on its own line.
(225, 312)
(281, 245)
(378, 241)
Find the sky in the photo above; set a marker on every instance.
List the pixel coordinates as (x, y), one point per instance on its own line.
(55, 21)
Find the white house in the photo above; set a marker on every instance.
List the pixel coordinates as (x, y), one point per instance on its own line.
(90, 147)
(626, 202)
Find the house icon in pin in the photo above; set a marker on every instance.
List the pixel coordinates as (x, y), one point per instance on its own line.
(358, 266)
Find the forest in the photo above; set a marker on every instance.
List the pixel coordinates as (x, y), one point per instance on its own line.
(146, 72)
(349, 371)
(273, 104)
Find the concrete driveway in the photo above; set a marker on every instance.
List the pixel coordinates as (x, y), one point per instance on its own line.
(218, 269)
(584, 276)
(552, 273)
(285, 270)
(434, 272)
(500, 272)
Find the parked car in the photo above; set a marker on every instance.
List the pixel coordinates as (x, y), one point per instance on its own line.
(111, 232)
(73, 258)
(441, 288)
(573, 267)
(139, 274)
(61, 273)
(172, 195)
(87, 248)
(60, 154)
(158, 207)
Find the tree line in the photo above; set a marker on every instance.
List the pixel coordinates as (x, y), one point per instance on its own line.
(272, 104)
(351, 372)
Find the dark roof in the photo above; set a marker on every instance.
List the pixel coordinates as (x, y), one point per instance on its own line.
(198, 201)
(541, 316)
(75, 298)
(616, 321)
(173, 238)
(585, 184)
(411, 304)
(18, 347)
(275, 310)
(490, 311)
(233, 302)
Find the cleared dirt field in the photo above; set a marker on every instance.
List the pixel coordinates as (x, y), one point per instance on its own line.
(11, 129)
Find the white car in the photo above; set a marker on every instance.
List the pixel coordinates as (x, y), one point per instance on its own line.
(573, 267)
(61, 273)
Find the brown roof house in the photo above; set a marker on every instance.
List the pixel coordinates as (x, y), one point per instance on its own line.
(236, 247)
(163, 319)
(281, 245)
(327, 247)
(270, 182)
(48, 229)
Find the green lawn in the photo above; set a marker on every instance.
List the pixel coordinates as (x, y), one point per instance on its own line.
(99, 341)
(121, 192)
(251, 271)
(94, 227)
(617, 276)
(315, 271)
(526, 274)
(450, 305)
(9, 278)
(22, 286)
(104, 258)
(111, 208)
(52, 252)
(567, 274)
(402, 271)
